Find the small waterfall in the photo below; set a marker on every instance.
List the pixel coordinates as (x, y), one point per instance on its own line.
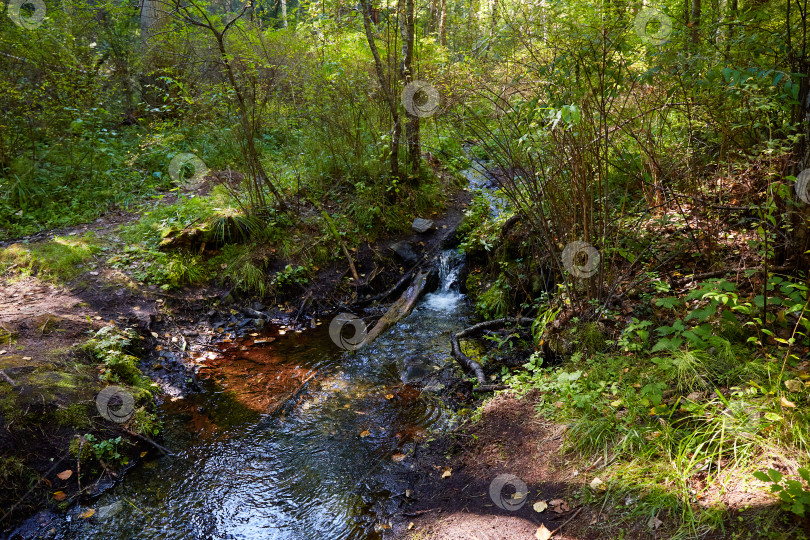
(447, 296)
(449, 268)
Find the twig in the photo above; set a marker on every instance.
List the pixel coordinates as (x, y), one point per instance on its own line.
(417, 513)
(567, 521)
(163, 449)
(6, 378)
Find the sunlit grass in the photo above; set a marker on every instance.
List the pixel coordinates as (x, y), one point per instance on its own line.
(60, 259)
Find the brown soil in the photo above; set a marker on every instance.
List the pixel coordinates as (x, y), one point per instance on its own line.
(509, 439)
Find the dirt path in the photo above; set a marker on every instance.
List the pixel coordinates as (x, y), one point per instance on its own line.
(510, 439)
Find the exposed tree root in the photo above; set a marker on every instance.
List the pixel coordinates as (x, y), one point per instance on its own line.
(469, 363)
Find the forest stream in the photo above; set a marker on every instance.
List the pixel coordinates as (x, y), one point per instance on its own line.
(327, 461)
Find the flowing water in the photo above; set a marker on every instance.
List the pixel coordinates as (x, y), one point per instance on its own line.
(292, 439)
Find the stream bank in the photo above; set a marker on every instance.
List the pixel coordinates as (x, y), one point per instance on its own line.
(176, 331)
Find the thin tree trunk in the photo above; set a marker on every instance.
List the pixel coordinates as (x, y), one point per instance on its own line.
(731, 26)
(695, 22)
(406, 28)
(284, 12)
(252, 154)
(389, 96)
(150, 19)
(443, 22)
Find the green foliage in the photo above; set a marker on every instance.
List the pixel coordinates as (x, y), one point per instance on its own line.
(795, 497)
(110, 451)
(109, 345)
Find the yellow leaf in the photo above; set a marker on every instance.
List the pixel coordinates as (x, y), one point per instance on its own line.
(143, 454)
(389, 396)
(87, 513)
(787, 404)
(64, 475)
(59, 496)
(542, 533)
(540, 506)
(448, 472)
(398, 457)
(411, 525)
(365, 433)
(616, 403)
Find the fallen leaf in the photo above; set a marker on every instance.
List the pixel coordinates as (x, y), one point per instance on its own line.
(59, 496)
(653, 523)
(597, 484)
(411, 526)
(540, 506)
(90, 512)
(794, 385)
(389, 396)
(398, 457)
(558, 506)
(543, 533)
(447, 473)
(26, 358)
(64, 475)
(3, 351)
(365, 433)
(787, 404)
(253, 334)
(143, 454)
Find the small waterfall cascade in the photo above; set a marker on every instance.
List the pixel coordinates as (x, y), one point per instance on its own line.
(447, 296)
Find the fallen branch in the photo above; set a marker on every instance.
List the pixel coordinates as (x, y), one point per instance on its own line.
(385, 294)
(398, 309)
(567, 521)
(468, 362)
(6, 378)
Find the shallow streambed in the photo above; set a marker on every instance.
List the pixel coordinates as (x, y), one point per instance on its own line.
(251, 462)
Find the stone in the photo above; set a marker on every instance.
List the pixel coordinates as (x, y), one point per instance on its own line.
(106, 512)
(405, 252)
(422, 225)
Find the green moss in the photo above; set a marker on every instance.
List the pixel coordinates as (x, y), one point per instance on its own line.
(76, 415)
(59, 259)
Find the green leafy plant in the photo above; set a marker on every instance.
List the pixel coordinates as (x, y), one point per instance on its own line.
(794, 496)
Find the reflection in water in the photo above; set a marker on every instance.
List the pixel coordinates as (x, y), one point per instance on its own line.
(317, 467)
